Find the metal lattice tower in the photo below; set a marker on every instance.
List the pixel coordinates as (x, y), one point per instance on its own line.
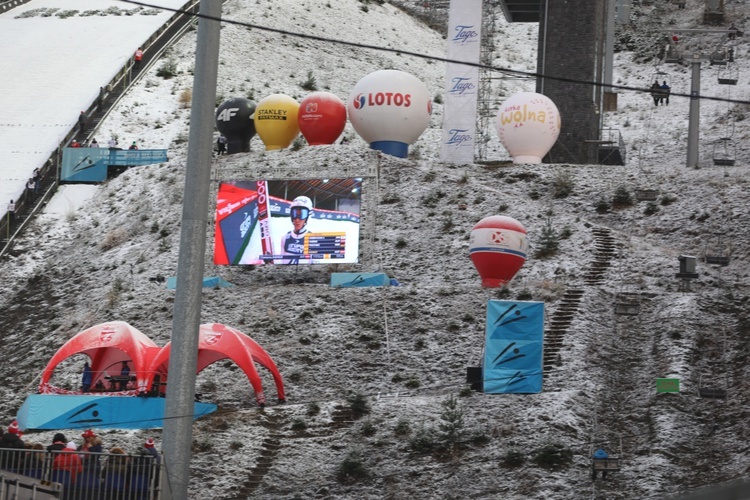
(486, 97)
(435, 13)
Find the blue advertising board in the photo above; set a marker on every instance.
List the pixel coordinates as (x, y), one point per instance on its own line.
(90, 164)
(513, 350)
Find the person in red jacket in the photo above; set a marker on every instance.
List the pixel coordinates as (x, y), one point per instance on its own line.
(137, 58)
(69, 460)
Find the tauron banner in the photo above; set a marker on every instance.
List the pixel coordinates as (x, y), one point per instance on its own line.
(513, 347)
(461, 81)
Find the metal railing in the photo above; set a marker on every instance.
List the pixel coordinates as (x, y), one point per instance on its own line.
(81, 475)
(614, 137)
(10, 4)
(153, 47)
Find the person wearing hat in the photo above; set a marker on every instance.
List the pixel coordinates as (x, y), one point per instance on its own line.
(69, 461)
(90, 449)
(149, 449)
(11, 440)
(145, 466)
(58, 442)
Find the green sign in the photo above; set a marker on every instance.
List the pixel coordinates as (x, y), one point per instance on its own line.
(667, 385)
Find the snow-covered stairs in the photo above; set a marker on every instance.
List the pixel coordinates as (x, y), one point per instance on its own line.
(604, 251)
(558, 327)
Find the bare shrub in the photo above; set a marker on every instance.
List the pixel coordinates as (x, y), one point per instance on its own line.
(185, 98)
(113, 238)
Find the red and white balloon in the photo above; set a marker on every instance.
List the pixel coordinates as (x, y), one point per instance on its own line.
(498, 246)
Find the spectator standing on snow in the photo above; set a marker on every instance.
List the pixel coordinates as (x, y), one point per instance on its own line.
(37, 176)
(11, 211)
(30, 189)
(137, 57)
(221, 145)
(82, 119)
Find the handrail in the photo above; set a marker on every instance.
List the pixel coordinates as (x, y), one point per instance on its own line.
(11, 4)
(87, 475)
(123, 77)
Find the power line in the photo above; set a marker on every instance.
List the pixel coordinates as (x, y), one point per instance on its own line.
(358, 45)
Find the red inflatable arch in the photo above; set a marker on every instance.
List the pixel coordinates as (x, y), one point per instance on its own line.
(107, 345)
(217, 342)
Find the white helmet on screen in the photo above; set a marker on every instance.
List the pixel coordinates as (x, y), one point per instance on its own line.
(301, 202)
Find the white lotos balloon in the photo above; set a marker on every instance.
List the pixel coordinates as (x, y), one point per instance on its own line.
(528, 125)
(390, 109)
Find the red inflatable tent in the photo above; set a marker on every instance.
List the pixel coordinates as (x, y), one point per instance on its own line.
(107, 345)
(217, 342)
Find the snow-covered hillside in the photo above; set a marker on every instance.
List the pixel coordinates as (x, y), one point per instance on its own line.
(375, 377)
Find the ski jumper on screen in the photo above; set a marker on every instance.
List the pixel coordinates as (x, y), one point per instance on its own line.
(293, 242)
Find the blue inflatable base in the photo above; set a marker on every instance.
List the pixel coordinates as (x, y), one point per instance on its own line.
(350, 280)
(59, 411)
(393, 148)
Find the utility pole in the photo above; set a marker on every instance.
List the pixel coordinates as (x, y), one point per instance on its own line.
(674, 55)
(695, 111)
(178, 414)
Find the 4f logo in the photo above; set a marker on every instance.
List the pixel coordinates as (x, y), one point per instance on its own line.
(227, 114)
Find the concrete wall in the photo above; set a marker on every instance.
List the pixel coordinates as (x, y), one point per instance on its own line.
(571, 46)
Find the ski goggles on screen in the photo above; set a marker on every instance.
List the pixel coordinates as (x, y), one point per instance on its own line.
(300, 213)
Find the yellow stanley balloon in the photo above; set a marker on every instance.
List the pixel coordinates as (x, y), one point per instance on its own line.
(276, 121)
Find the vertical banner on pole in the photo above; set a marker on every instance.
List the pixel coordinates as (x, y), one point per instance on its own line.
(513, 347)
(461, 81)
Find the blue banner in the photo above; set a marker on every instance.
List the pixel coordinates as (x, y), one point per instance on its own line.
(90, 164)
(56, 411)
(84, 164)
(133, 157)
(352, 280)
(513, 348)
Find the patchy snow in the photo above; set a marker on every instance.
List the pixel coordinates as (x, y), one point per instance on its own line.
(89, 258)
(59, 55)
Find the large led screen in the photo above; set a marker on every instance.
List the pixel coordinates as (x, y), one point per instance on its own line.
(312, 221)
